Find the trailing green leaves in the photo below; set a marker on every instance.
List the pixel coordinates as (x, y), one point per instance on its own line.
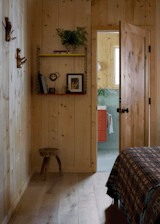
(75, 38)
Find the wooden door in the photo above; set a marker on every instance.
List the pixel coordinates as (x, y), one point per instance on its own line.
(134, 86)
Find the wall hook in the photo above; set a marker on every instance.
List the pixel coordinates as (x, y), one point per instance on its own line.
(20, 61)
(8, 28)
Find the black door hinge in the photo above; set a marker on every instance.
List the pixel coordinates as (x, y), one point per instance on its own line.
(149, 100)
(149, 48)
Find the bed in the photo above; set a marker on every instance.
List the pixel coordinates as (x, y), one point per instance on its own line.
(135, 181)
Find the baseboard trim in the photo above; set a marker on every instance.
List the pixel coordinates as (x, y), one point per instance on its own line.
(17, 198)
(68, 169)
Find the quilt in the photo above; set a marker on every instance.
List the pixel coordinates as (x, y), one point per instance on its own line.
(135, 180)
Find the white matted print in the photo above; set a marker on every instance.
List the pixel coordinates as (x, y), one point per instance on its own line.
(75, 83)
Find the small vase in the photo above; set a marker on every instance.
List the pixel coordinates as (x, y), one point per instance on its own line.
(68, 48)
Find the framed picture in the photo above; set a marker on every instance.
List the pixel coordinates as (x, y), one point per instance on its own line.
(75, 83)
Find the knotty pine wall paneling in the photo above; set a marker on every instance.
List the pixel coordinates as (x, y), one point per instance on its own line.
(36, 99)
(6, 150)
(158, 68)
(12, 98)
(99, 13)
(66, 120)
(94, 101)
(116, 12)
(48, 66)
(1, 121)
(83, 103)
(61, 121)
(15, 95)
(66, 104)
(105, 56)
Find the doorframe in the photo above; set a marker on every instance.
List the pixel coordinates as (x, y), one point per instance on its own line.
(152, 89)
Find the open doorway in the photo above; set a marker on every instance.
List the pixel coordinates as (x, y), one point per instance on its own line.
(107, 99)
(134, 90)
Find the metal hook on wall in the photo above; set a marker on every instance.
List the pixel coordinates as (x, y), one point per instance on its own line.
(20, 61)
(8, 28)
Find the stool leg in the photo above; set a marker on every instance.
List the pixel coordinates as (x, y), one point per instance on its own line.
(46, 167)
(59, 162)
(43, 165)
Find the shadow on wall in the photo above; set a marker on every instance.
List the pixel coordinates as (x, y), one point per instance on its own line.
(110, 98)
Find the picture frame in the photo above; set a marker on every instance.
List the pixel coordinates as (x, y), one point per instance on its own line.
(75, 83)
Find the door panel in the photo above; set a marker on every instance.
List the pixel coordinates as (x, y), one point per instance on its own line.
(134, 89)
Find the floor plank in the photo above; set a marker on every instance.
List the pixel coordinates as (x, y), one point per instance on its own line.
(19, 219)
(31, 200)
(74, 198)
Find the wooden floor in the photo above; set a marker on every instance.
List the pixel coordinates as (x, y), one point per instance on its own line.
(74, 198)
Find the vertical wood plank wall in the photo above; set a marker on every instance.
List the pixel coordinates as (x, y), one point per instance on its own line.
(1, 123)
(105, 57)
(15, 104)
(66, 121)
(158, 68)
(61, 121)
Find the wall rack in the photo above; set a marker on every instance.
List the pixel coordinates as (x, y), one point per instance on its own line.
(61, 55)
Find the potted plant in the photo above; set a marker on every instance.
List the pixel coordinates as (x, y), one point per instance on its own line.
(73, 38)
(65, 89)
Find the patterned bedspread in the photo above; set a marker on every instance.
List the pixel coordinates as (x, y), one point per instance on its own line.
(135, 179)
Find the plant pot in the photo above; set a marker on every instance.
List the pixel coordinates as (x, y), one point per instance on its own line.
(68, 48)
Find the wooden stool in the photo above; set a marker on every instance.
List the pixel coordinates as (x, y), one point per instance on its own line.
(47, 153)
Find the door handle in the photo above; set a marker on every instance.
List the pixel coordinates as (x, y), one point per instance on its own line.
(118, 110)
(125, 110)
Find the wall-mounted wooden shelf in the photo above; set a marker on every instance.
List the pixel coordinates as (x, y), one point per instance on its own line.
(61, 55)
(61, 94)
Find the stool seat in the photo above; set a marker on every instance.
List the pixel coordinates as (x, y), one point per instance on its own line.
(47, 153)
